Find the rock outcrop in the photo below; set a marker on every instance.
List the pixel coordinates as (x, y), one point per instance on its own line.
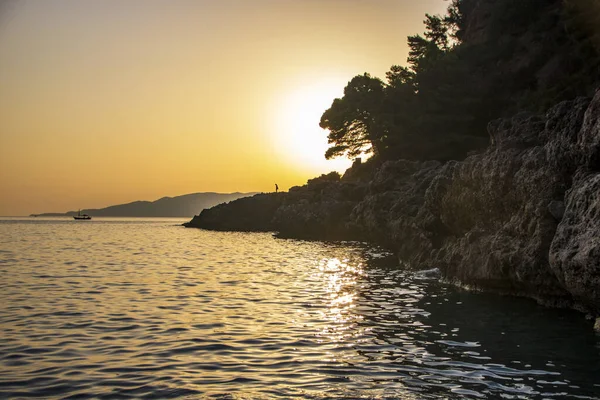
(575, 249)
(320, 209)
(248, 214)
(522, 218)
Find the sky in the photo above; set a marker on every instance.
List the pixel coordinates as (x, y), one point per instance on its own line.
(105, 102)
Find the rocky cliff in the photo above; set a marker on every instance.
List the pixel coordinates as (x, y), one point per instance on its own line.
(522, 218)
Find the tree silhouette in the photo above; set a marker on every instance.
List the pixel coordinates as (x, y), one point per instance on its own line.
(354, 121)
(483, 60)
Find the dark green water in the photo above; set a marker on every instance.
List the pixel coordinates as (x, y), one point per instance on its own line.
(146, 309)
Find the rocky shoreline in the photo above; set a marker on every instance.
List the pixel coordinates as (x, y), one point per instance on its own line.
(522, 217)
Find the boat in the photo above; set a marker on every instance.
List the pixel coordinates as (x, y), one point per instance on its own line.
(81, 216)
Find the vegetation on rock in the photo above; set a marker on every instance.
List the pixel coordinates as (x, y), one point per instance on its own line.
(483, 60)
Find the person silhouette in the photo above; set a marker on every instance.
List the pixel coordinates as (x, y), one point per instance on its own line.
(276, 188)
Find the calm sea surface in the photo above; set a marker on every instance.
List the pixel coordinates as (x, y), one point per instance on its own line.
(116, 308)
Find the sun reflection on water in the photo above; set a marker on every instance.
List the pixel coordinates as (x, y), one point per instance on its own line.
(340, 278)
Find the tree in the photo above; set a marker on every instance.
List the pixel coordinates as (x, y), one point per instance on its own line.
(353, 121)
(422, 54)
(437, 31)
(398, 76)
(455, 19)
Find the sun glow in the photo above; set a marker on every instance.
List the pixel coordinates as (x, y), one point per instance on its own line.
(297, 131)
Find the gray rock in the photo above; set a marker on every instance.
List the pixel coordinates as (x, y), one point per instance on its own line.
(575, 250)
(557, 209)
(589, 137)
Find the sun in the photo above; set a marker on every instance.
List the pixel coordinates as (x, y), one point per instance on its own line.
(297, 131)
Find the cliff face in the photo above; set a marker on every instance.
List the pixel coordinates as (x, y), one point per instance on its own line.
(502, 208)
(523, 217)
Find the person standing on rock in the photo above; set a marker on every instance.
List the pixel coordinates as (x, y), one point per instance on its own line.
(276, 188)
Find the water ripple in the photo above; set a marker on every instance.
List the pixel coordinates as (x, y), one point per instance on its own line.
(146, 309)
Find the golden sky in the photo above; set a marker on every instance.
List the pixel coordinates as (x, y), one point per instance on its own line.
(108, 101)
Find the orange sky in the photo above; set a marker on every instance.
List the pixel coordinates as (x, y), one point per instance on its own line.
(108, 101)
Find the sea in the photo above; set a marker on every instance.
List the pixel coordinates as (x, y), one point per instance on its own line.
(146, 309)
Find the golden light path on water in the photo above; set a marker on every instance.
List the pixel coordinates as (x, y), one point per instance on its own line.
(340, 278)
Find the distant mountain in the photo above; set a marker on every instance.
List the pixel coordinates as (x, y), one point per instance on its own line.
(187, 205)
